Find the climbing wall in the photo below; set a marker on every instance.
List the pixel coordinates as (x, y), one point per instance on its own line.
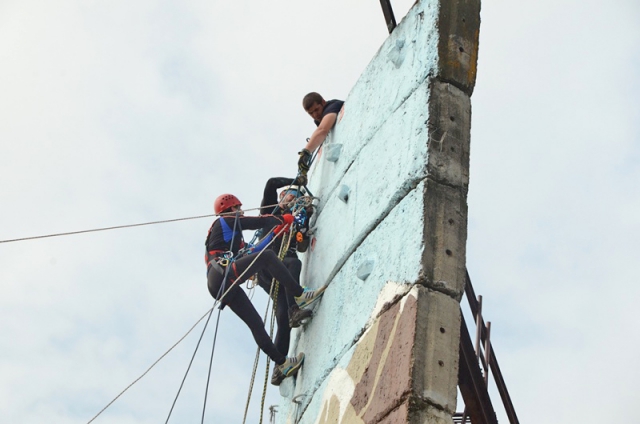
(390, 232)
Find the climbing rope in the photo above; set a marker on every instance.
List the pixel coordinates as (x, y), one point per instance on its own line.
(258, 233)
(432, 138)
(283, 252)
(206, 314)
(122, 226)
(255, 366)
(300, 204)
(239, 278)
(272, 294)
(213, 348)
(224, 279)
(152, 365)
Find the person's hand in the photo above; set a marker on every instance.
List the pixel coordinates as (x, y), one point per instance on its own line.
(281, 229)
(288, 218)
(304, 161)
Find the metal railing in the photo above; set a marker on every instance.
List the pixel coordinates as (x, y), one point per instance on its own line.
(476, 362)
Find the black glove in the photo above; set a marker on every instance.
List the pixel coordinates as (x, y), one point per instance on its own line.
(304, 162)
(301, 180)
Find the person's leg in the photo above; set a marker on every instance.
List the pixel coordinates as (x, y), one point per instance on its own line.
(295, 314)
(243, 308)
(215, 280)
(294, 266)
(240, 304)
(303, 297)
(269, 261)
(264, 280)
(283, 335)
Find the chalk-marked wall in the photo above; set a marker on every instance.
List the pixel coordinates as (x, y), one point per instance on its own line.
(390, 232)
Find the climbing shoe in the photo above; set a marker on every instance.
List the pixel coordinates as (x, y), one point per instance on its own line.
(309, 296)
(289, 368)
(297, 316)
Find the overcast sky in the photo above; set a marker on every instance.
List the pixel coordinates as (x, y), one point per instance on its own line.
(118, 112)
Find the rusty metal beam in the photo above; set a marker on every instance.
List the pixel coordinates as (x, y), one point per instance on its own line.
(493, 362)
(389, 18)
(478, 405)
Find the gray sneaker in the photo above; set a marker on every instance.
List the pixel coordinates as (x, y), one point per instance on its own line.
(309, 296)
(297, 316)
(277, 377)
(290, 367)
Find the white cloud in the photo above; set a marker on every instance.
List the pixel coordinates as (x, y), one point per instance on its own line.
(116, 112)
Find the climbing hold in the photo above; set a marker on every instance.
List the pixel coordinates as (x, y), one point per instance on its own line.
(287, 388)
(332, 152)
(365, 269)
(397, 54)
(343, 193)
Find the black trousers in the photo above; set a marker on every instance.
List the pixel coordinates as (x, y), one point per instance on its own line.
(238, 301)
(284, 301)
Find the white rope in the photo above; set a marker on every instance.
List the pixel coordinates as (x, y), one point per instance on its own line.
(238, 279)
(152, 365)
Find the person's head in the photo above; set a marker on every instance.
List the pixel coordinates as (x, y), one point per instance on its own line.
(313, 103)
(227, 203)
(288, 196)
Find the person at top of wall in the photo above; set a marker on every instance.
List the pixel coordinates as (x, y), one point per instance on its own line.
(288, 314)
(225, 272)
(325, 115)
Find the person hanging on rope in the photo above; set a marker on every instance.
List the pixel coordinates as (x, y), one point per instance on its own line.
(225, 272)
(325, 115)
(288, 314)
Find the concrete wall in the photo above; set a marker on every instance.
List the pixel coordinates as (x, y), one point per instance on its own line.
(391, 231)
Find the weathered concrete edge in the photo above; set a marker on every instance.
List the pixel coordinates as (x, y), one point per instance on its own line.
(459, 32)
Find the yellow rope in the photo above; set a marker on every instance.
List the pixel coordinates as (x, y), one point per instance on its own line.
(283, 251)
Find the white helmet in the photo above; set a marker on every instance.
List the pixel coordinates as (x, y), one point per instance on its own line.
(293, 189)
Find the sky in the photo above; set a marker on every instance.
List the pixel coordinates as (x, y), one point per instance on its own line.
(119, 112)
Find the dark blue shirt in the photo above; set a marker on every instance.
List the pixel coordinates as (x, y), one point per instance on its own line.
(332, 106)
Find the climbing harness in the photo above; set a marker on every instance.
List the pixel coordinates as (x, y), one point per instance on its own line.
(208, 314)
(223, 260)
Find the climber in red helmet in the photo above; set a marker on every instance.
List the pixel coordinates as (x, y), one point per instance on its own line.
(223, 243)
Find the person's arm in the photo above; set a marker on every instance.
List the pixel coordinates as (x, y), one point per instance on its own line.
(263, 243)
(318, 136)
(270, 195)
(256, 222)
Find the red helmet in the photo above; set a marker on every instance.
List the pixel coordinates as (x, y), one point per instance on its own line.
(224, 202)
